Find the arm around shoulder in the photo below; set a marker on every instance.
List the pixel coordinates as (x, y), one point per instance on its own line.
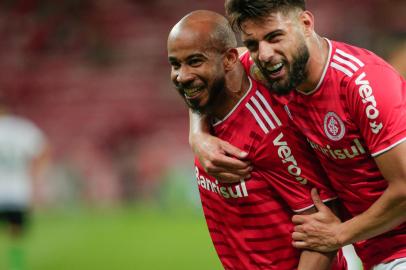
(389, 210)
(219, 158)
(310, 259)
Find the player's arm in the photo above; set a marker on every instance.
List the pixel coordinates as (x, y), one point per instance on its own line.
(322, 231)
(291, 187)
(39, 165)
(219, 158)
(309, 259)
(383, 129)
(389, 210)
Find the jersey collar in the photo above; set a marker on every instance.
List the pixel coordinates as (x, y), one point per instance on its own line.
(219, 121)
(323, 75)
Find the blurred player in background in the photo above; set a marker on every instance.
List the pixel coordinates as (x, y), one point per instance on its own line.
(249, 221)
(351, 105)
(24, 154)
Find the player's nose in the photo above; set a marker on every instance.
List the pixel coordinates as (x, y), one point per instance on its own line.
(265, 51)
(184, 75)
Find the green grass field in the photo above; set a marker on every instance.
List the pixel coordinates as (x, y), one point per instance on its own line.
(130, 238)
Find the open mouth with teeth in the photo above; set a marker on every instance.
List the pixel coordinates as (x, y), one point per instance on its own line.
(275, 69)
(192, 92)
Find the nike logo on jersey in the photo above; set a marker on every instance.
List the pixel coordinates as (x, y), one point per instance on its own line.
(366, 93)
(285, 154)
(230, 192)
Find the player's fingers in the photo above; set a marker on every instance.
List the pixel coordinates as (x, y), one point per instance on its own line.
(231, 163)
(231, 150)
(215, 167)
(318, 203)
(299, 219)
(299, 228)
(243, 172)
(298, 236)
(227, 178)
(299, 244)
(219, 162)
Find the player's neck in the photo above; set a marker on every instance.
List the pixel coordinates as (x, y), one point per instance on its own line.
(237, 85)
(319, 51)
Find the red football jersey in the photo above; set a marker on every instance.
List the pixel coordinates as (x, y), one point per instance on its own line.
(357, 112)
(250, 222)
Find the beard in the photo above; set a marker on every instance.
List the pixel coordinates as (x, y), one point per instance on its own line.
(295, 76)
(215, 93)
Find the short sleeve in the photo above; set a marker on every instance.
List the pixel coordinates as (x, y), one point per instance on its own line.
(377, 104)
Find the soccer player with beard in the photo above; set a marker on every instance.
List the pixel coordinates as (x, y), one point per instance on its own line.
(351, 105)
(249, 221)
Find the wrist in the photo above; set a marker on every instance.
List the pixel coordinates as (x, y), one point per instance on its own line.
(191, 139)
(194, 139)
(342, 236)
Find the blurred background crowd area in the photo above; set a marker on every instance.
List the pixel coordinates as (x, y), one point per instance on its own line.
(94, 76)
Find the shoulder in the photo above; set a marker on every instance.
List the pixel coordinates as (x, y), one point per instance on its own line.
(26, 124)
(16, 121)
(351, 65)
(23, 128)
(351, 60)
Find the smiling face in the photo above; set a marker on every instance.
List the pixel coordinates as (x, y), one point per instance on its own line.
(277, 45)
(196, 71)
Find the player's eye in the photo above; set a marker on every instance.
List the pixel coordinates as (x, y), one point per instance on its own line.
(174, 65)
(195, 62)
(274, 37)
(251, 46)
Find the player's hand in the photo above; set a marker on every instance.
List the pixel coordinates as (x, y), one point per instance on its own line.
(220, 159)
(318, 231)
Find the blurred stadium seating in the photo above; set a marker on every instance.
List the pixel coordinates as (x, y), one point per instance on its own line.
(94, 75)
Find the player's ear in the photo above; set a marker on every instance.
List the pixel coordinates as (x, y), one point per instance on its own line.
(230, 59)
(307, 20)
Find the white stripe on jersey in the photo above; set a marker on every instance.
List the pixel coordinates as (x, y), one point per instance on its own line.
(342, 69)
(310, 206)
(346, 65)
(262, 116)
(263, 113)
(268, 107)
(288, 111)
(350, 57)
(256, 116)
(345, 62)
(388, 148)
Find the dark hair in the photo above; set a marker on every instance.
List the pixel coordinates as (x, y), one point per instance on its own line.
(238, 11)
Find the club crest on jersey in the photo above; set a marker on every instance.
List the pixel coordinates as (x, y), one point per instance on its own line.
(334, 126)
